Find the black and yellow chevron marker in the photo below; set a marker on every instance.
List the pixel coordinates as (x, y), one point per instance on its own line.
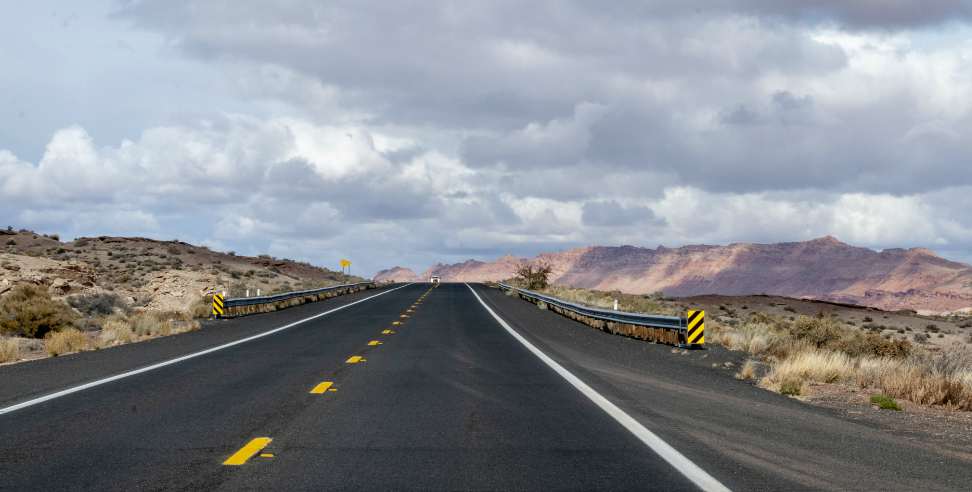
(696, 328)
(219, 307)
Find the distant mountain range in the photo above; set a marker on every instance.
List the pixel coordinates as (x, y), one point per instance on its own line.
(824, 268)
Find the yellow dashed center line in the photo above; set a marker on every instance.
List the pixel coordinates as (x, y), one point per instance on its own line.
(387, 332)
(246, 452)
(354, 359)
(266, 455)
(396, 323)
(321, 388)
(374, 343)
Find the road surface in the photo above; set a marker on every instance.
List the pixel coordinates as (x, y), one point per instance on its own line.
(423, 388)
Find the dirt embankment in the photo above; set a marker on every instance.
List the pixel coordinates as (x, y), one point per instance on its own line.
(110, 283)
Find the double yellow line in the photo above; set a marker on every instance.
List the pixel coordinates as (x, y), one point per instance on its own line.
(257, 445)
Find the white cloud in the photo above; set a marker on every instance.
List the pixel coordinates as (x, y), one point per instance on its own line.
(399, 134)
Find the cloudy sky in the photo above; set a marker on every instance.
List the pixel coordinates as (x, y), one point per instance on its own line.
(415, 132)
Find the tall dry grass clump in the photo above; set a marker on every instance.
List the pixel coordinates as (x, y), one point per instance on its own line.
(116, 331)
(926, 378)
(818, 366)
(65, 342)
(119, 329)
(823, 350)
(9, 350)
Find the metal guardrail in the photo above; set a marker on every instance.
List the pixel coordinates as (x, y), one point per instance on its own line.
(251, 301)
(637, 319)
(687, 332)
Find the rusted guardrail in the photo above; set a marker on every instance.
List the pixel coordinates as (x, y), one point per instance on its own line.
(672, 330)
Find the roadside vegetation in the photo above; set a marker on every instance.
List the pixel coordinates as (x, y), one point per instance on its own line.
(59, 297)
(789, 352)
(824, 350)
(83, 322)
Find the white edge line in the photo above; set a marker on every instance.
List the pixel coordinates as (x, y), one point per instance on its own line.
(686, 467)
(116, 377)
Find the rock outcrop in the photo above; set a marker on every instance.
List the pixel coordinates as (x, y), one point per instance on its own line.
(823, 268)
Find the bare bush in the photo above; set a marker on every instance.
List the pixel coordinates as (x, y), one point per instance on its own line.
(534, 277)
(100, 304)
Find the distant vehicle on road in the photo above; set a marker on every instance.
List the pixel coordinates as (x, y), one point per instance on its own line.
(434, 279)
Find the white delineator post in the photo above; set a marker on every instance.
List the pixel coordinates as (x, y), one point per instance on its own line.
(615, 304)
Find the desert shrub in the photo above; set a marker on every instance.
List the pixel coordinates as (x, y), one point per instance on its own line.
(925, 378)
(201, 307)
(100, 304)
(885, 402)
(148, 324)
(752, 337)
(868, 319)
(791, 387)
(747, 371)
(533, 277)
(818, 331)
(65, 341)
(11, 242)
(790, 309)
(921, 337)
(116, 331)
(28, 311)
(9, 350)
(870, 344)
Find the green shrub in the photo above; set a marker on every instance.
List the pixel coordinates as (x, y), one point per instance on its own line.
(885, 402)
(791, 387)
(28, 311)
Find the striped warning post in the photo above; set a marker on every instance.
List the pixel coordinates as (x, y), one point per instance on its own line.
(696, 328)
(219, 306)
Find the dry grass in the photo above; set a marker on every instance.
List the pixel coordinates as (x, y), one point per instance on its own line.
(811, 366)
(65, 342)
(116, 331)
(119, 330)
(747, 371)
(9, 350)
(820, 350)
(926, 379)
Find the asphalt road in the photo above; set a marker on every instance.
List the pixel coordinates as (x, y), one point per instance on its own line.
(445, 399)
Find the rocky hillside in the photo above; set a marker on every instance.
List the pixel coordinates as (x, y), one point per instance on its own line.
(396, 274)
(823, 268)
(145, 273)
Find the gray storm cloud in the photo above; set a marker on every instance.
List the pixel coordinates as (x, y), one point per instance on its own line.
(413, 132)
